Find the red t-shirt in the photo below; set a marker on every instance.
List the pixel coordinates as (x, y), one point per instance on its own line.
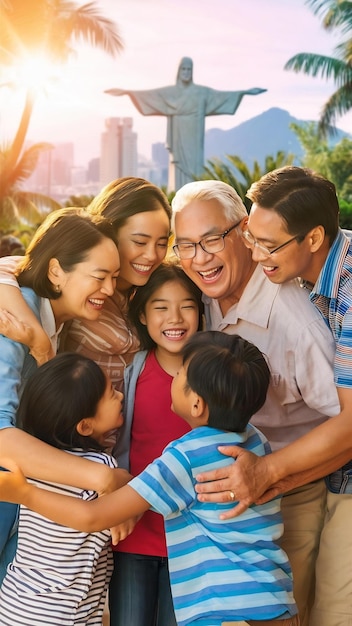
(154, 426)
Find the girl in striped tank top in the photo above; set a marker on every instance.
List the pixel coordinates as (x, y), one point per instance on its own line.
(59, 575)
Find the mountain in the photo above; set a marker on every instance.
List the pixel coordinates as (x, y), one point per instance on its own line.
(258, 138)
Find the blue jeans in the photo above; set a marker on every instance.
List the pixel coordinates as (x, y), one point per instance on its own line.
(139, 593)
(8, 535)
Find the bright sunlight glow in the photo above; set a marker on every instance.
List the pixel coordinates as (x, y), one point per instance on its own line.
(36, 73)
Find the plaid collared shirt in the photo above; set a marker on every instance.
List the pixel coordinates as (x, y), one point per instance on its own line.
(332, 295)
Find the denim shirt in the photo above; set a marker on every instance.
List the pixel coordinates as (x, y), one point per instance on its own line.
(121, 451)
(16, 365)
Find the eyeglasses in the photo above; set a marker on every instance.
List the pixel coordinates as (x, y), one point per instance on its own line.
(252, 243)
(211, 244)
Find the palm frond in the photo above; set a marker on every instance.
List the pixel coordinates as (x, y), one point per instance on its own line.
(334, 13)
(344, 51)
(35, 201)
(26, 165)
(218, 170)
(338, 104)
(240, 166)
(319, 65)
(282, 158)
(86, 24)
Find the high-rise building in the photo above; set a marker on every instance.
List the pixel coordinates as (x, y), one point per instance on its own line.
(160, 156)
(118, 150)
(93, 174)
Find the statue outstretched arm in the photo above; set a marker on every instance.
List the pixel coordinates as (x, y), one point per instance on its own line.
(116, 92)
(255, 91)
(160, 101)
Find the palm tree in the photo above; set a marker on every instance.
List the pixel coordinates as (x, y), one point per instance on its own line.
(317, 152)
(78, 201)
(331, 161)
(16, 203)
(335, 14)
(48, 28)
(218, 170)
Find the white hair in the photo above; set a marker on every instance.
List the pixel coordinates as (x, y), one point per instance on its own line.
(228, 198)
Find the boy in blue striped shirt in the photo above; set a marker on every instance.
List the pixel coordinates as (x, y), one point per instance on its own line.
(220, 570)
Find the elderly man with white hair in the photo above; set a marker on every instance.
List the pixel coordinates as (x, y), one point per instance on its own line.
(209, 218)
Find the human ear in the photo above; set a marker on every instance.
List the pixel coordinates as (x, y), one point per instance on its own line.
(142, 319)
(199, 408)
(85, 427)
(55, 273)
(316, 238)
(244, 224)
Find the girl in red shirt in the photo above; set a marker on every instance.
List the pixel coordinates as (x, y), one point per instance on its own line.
(166, 312)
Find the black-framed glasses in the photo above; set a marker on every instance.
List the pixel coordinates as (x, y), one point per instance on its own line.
(211, 244)
(252, 243)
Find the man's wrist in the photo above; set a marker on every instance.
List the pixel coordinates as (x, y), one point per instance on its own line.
(274, 468)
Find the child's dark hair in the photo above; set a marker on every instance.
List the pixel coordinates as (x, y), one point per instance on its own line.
(166, 272)
(230, 374)
(58, 396)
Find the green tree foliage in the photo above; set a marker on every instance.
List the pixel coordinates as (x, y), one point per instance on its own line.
(78, 201)
(316, 149)
(340, 167)
(335, 15)
(345, 218)
(332, 161)
(237, 173)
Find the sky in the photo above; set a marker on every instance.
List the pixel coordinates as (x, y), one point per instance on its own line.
(235, 45)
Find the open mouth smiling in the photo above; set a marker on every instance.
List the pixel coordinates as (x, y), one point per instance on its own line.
(210, 275)
(144, 269)
(98, 303)
(176, 333)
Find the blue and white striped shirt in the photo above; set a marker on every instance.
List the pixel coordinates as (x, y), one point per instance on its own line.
(220, 570)
(332, 295)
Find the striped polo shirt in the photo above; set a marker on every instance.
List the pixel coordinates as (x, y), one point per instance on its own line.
(220, 570)
(332, 295)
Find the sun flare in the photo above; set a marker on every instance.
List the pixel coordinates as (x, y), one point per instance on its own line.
(36, 72)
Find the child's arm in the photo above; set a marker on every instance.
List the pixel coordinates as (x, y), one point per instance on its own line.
(120, 532)
(12, 301)
(90, 516)
(39, 460)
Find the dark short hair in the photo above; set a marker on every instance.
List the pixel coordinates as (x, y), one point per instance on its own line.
(166, 272)
(301, 197)
(11, 245)
(230, 374)
(67, 235)
(125, 197)
(58, 396)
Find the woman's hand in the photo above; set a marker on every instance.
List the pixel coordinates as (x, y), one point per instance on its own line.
(39, 343)
(14, 329)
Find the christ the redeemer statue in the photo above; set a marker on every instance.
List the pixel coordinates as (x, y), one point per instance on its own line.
(185, 105)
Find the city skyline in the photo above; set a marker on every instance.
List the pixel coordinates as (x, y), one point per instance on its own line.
(234, 46)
